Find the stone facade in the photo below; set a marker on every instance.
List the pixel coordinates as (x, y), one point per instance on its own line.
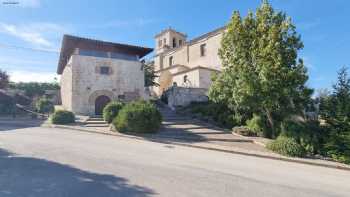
(93, 77)
(180, 96)
(81, 82)
(189, 64)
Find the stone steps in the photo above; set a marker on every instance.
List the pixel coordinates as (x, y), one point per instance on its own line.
(97, 125)
(96, 122)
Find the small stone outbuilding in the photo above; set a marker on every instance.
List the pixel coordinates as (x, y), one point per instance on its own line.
(94, 72)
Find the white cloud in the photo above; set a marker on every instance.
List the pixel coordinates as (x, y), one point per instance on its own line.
(32, 37)
(40, 35)
(14, 61)
(28, 76)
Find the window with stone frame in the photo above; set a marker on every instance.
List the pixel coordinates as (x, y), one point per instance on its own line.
(203, 49)
(174, 42)
(104, 70)
(160, 43)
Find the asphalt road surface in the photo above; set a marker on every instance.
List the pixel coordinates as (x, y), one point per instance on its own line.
(55, 162)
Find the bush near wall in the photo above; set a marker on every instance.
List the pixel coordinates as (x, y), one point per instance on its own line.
(62, 117)
(138, 117)
(257, 125)
(111, 111)
(219, 113)
(287, 146)
(43, 105)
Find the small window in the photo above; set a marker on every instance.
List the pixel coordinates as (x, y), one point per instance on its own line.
(104, 70)
(171, 60)
(180, 42)
(174, 42)
(185, 79)
(160, 42)
(164, 40)
(203, 49)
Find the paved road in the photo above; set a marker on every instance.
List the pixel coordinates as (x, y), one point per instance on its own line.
(53, 162)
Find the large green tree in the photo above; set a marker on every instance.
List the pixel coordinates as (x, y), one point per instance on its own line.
(150, 75)
(335, 109)
(261, 69)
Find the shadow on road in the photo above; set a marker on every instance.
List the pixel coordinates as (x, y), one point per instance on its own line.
(12, 124)
(24, 176)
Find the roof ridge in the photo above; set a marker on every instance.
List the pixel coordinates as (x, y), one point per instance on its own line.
(103, 41)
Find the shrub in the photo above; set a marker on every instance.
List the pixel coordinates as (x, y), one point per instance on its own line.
(6, 108)
(218, 112)
(43, 105)
(111, 111)
(139, 117)
(62, 117)
(337, 145)
(309, 134)
(245, 131)
(287, 146)
(257, 125)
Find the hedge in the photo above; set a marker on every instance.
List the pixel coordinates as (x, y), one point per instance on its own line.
(62, 117)
(287, 146)
(111, 111)
(138, 117)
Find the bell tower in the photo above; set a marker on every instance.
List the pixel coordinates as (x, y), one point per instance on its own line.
(169, 39)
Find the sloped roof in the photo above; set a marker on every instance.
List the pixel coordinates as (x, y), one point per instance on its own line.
(211, 33)
(70, 43)
(169, 29)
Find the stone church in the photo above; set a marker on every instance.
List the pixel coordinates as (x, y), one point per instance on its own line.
(185, 63)
(94, 72)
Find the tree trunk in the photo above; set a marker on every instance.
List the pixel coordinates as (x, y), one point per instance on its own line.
(271, 123)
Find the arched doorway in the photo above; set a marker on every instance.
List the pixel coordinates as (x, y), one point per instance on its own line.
(100, 103)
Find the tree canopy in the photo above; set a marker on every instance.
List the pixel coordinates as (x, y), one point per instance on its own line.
(262, 73)
(150, 74)
(335, 110)
(32, 89)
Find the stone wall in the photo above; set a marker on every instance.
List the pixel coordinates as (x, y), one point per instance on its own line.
(189, 57)
(190, 54)
(211, 59)
(180, 96)
(125, 81)
(66, 87)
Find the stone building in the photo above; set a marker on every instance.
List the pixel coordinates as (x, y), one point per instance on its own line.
(95, 72)
(185, 63)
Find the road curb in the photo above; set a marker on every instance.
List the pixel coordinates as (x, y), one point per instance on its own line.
(162, 140)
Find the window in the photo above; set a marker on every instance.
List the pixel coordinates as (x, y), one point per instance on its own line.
(185, 79)
(180, 42)
(164, 40)
(160, 43)
(170, 60)
(174, 42)
(203, 50)
(104, 70)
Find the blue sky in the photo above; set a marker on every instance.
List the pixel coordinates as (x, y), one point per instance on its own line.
(40, 24)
